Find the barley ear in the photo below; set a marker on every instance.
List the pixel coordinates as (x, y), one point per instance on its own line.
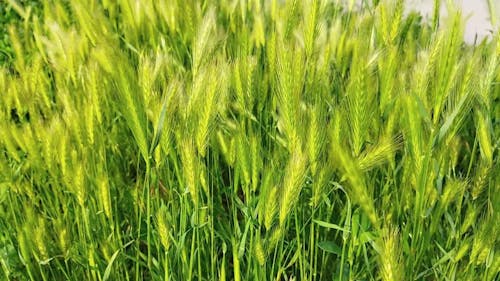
(104, 195)
(358, 189)
(258, 250)
(190, 168)
(390, 257)
(271, 207)
(292, 183)
(163, 227)
(483, 134)
(383, 151)
(480, 179)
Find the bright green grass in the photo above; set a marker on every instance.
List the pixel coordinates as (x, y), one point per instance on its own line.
(246, 140)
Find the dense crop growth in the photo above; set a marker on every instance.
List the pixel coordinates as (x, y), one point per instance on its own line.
(246, 140)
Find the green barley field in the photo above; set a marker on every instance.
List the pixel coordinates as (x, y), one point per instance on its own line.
(246, 140)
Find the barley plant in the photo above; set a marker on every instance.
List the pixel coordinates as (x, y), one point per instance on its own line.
(246, 140)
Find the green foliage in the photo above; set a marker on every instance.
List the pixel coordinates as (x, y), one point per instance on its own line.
(245, 140)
